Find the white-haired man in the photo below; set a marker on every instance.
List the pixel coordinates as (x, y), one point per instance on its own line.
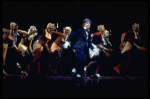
(128, 39)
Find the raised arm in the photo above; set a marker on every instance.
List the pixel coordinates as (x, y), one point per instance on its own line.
(31, 33)
(47, 35)
(6, 30)
(24, 33)
(57, 33)
(95, 34)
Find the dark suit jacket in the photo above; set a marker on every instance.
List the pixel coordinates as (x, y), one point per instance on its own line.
(81, 39)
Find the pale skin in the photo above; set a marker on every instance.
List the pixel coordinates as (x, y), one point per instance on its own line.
(48, 36)
(60, 36)
(87, 25)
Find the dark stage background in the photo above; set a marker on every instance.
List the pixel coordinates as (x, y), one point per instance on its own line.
(116, 16)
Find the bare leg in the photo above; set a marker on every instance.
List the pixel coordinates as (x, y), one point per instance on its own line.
(5, 46)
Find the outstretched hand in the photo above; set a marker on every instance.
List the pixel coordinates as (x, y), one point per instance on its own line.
(143, 48)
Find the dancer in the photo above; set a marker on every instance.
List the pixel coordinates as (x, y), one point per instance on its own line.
(81, 46)
(38, 45)
(90, 69)
(128, 39)
(103, 40)
(99, 42)
(26, 49)
(10, 39)
(56, 47)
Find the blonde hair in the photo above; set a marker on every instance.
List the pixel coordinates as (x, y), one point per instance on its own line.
(67, 28)
(51, 25)
(99, 28)
(135, 25)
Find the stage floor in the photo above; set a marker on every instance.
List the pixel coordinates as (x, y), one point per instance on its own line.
(68, 86)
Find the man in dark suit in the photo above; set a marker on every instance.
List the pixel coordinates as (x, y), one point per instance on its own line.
(81, 46)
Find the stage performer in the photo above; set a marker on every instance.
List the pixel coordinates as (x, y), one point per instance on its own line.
(25, 46)
(129, 39)
(10, 39)
(56, 47)
(81, 46)
(38, 45)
